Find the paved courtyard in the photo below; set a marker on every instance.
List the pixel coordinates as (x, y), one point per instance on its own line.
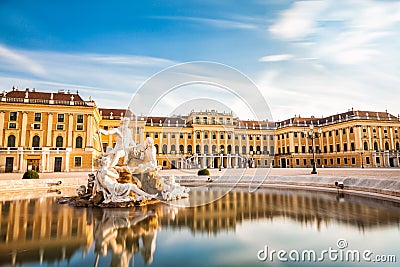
(383, 173)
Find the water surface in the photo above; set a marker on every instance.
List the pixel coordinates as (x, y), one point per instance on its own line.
(228, 232)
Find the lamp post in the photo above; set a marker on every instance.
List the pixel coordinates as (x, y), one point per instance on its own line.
(362, 158)
(221, 151)
(311, 134)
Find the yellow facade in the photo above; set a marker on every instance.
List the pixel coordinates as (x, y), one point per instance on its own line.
(51, 132)
(47, 135)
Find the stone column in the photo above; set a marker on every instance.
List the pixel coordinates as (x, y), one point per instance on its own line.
(247, 144)
(341, 139)
(218, 142)
(240, 143)
(177, 150)
(67, 154)
(185, 137)
(2, 121)
(168, 143)
(70, 129)
(49, 129)
(381, 147)
(21, 159)
(392, 146)
(358, 141)
(23, 128)
(141, 135)
(89, 131)
(371, 146)
(226, 142)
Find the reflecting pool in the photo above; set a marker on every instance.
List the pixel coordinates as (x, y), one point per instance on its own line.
(238, 229)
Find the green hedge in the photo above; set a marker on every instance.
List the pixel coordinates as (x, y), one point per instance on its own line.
(203, 172)
(30, 175)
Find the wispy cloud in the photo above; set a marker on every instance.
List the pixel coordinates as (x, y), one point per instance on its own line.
(14, 60)
(242, 23)
(354, 50)
(109, 78)
(276, 58)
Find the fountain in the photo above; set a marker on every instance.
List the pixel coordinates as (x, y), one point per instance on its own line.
(127, 175)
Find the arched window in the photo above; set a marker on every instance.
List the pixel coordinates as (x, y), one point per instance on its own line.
(365, 145)
(197, 149)
(205, 149)
(265, 150)
(258, 148)
(156, 146)
(181, 149)
(236, 149)
(59, 141)
(251, 148)
(164, 149)
(222, 149)
(214, 148)
(229, 149)
(272, 150)
(173, 150)
(386, 146)
(243, 149)
(78, 142)
(11, 141)
(189, 149)
(36, 141)
(397, 146)
(375, 146)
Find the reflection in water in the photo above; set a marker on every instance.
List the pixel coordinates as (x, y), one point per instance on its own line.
(41, 231)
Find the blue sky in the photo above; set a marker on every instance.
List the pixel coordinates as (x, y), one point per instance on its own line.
(306, 57)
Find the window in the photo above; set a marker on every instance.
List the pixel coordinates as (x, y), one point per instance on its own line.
(181, 135)
(221, 120)
(173, 135)
(173, 151)
(198, 135)
(330, 148)
(303, 149)
(364, 129)
(36, 126)
(271, 138)
(78, 142)
(353, 161)
(296, 149)
(229, 136)
(78, 161)
(79, 118)
(305, 162)
(164, 135)
(164, 149)
(205, 120)
(337, 147)
(351, 130)
(331, 161)
(12, 125)
(197, 119)
(189, 136)
(338, 161)
(11, 141)
(13, 116)
(213, 120)
(181, 149)
(59, 141)
(365, 145)
(214, 136)
(375, 146)
(297, 161)
(221, 136)
(36, 141)
(243, 149)
(353, 147)
(189, 149)
(344, 131)
(60, 118)
(155, 135)
(374, 129)
(265, 162)
(243, 137)
(105, 128)
(325, 149)
(378, 160)
(345, 147)
(228, 121)
(147, 134)
(164, 163)
(38, 117)
(386, 146)
(397, 146)
(367, 160)
(264, 137)
(79, 127)
(345, 161)
(337, 132)
(295, 134)
(60, 127)
(206, 135)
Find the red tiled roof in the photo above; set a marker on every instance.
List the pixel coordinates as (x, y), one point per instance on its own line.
(65, 96)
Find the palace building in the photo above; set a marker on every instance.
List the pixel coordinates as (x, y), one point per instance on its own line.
(53, 132)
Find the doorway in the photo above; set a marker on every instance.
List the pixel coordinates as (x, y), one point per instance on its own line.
(33, 164)
(9, 164)
(57, 164)
(283, 163)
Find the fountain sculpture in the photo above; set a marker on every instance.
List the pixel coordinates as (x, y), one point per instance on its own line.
(127, 175)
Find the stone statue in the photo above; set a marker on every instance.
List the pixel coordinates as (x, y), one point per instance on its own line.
(124, 142)
(113, 191)
(143, 158)
(173, 190)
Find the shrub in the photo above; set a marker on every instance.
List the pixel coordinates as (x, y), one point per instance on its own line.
(203, 172)
(30, 175)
